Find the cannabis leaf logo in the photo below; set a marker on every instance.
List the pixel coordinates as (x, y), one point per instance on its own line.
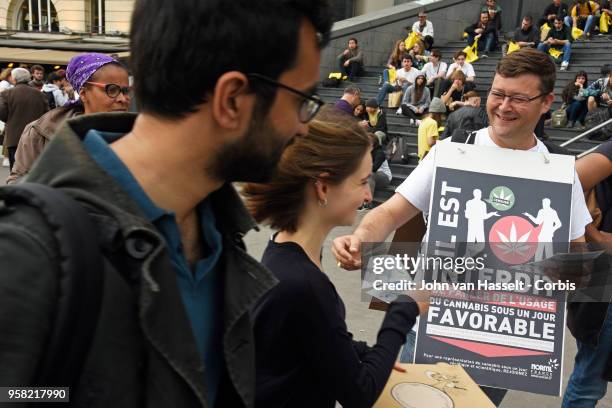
(513, 240)
(501, 198)
(511, 243)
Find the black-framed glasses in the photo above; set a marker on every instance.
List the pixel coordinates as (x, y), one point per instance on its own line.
(112, 90)
(514, 99)
(310, 103)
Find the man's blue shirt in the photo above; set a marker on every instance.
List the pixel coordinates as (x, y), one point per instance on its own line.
(200, 286)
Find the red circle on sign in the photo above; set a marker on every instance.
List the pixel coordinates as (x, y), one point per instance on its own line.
(513, 239)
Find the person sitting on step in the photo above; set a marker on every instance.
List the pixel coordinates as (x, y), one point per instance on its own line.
(574, 97)
(560, 39)
(485, 32)
(461, 65)
(403, 79)
(416, 99)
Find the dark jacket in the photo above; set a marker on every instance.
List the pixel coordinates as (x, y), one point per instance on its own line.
(466, 118)
(561, 11)
(531, 35)
(490, 28)
(18, 107)
(35, 136)
(381, 124)
(143, 352)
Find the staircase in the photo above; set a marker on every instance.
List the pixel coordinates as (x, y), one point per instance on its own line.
(587, 56)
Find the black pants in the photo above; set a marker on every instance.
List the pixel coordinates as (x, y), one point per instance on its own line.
(11, 156)
(353, 70)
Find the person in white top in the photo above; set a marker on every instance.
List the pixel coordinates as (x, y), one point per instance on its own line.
(461, 64)
(522, 90)
(425, 28)
(434, 71)
(403, 79)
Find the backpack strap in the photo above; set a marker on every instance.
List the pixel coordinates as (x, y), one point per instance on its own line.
(463, 137)
(79, 285)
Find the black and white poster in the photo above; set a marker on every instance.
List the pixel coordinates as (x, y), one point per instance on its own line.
(505, 208)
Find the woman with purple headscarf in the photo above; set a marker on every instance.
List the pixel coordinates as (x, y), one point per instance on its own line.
(102, 85)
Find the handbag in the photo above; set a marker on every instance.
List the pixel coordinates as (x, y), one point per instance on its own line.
(596, 117)
(395, 99)
(576, 33)
(559, 118)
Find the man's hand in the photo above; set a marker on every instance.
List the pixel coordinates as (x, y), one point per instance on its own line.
(346, 53)
(478, 36)
(478, 30)
(346, 63)
(364, 123)
(347, 251)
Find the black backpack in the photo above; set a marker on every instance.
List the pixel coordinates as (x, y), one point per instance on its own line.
(50, 99)
(469, 137)
(80, 281)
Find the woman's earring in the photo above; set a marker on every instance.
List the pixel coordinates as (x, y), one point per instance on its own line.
(323, 203)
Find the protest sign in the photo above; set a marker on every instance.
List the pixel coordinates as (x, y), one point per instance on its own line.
(506, 207)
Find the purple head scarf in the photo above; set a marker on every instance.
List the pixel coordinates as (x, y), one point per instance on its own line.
(83, 66)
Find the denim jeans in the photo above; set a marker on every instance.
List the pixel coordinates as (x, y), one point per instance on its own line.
(567, 50)
(496, 395)
(577, 111)
(487, 44)
(585, 386)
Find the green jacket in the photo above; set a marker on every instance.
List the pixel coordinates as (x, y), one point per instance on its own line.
(143, 352)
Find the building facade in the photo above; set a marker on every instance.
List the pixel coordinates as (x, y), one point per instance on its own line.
(67, 16)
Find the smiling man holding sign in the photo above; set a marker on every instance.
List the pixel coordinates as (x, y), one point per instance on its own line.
(521, 92)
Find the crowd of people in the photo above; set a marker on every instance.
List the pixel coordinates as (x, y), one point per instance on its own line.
(183, 315)
(415, 73)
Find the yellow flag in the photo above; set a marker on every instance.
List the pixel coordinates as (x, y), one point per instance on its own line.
(471, 52)
(576, 33)
(392, 76)
(544, 32)
(555, 53)
(604, 23)
(336, 75)
(512, 46)
(411, 40)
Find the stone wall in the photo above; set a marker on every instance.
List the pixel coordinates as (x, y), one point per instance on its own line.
(378, 31)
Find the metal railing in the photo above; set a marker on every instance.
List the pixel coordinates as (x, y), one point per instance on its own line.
(588, 132)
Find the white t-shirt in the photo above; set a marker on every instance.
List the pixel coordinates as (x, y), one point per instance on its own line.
(428, 30)
(410, 76)
(430, 71)
(417, 186)
(467, 69)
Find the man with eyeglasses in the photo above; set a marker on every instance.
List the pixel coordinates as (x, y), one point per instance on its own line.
(174, 325)
(522, 90)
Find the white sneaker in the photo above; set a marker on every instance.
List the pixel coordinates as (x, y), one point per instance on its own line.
(399, 111)
(564, 66)
(5, 162)
(412, 121)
